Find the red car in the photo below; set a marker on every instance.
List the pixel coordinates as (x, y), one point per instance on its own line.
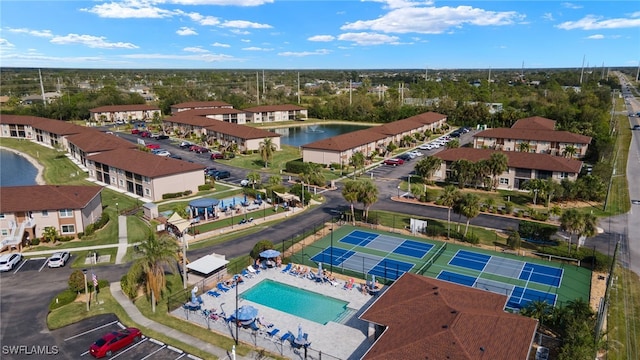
(145, 134)
(198, 149)
(394, 162)
(153, 146)
(216, 155)
(135, 131)
(114, 341)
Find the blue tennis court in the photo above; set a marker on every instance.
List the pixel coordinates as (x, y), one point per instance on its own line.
(413, 248)
(520, 297)
(359, 238)
(334, 256)
(390, 269)
(470, 260)
(456, 278)
(541, 274)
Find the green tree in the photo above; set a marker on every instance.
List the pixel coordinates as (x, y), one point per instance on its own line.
(357, 161)
(470, 208)
(259, 247)
(537, 188)
(156, 254)
(267, 148)
(524, 147)
(589, 226)
(426, 167)
(571, 221)
(367, 195)
(569, 151)
(449, 198)
(254, 178)
(350, 193)
(275, 180)
(463, 171)
(498, 163)
(453, 144)
(49, 234)
(514, 241)
(312, 174)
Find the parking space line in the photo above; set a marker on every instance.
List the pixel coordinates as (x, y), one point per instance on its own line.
(157, 342)
(174, 349)
(84, 353)
(129, 348)
(153, 353)
(193, 357)
(21, 265)
(89, 331)
(121, 325)
(181, 356)
(43, 265)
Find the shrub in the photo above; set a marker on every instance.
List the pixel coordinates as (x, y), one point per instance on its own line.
(80, 234)
(472, 239)
(204, 187)
(35, 241)
(514, 240)
(104, 219)
(336, 166)
(187, 193)
(173, 195)
(295, 166)
(76, 281)
(89, 230)
(508, 207)
(66, 238)
(259, 247)
(63, 298)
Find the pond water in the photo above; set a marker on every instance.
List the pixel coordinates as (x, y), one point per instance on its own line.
(16, 170)
(301, 135)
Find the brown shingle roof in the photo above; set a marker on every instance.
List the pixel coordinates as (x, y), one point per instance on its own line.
(399, 126)
(212, 111)
(240, 131)
(267, 108)
(190, 120)
(20, 119)
(199, 104)
(96, 141)
(59, 127)
(427, 118)
(431, 319)
(347, 141)
(46, 197)
(534, 134)
(144, 163)
(515, 159)
(132, 107)
(535, 122)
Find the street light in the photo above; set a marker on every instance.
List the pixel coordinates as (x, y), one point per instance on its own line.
(86, 288)
(398, 191)
(236, 317)
(117, 210)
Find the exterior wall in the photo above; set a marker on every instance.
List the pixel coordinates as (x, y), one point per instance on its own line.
(48, 139)
(16, 131)
(91, 213)
(325, 157)
(125, 115)
(239, 118)
(540, 147)
(276, 116)
(185, 128)
(167, 184)
(254, 144)
(41, 220)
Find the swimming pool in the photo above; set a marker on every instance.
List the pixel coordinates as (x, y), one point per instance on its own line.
(292, 300)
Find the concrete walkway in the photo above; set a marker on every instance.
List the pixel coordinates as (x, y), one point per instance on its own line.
(137, 317)
(74, 249)
(123, 242)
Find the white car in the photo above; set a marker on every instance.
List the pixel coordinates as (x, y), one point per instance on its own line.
(244, 182)
(58, 259)
(416, 153)
(163, 153)
(9, 261)
(425, 147)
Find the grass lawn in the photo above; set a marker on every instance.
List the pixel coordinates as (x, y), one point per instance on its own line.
(78, 258)
(623, 319)
(76, 311)
(254, 162)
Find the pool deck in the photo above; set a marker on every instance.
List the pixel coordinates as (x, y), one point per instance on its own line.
(344, 340)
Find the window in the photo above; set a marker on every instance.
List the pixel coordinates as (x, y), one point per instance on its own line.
(91, 173)
(563, 175)
(504, 181)
(65, 213)
(147, 191)
(1, 216)
(68, 229)
(121, 182)
(45, 213)
(4, 232)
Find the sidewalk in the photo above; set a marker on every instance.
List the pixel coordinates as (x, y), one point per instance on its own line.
(141, 320)
(122, 239)
(74, 249)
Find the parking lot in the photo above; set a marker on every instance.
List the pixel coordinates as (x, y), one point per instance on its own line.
(74, 340)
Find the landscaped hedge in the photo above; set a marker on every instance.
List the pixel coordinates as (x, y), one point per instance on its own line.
(177, 195)
(295, 166)
(63, 298)
(536, 231)
(204, 187)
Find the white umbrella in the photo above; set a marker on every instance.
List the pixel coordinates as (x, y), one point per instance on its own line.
(319, 269)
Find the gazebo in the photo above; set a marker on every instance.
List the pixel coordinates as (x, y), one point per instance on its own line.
(204, 207)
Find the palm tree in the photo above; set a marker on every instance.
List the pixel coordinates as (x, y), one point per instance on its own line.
(157, 253)
(367, 195)
(453, 144)
(426, 167)
(536, 187)
(589, 226)
(350, 193)
(254, 178)
(524, 147)
(571, 222)
(470, 208)
(569, 151)
(275, 180)
(50, 234)
(462, 171)
(357, 161)
(498, 163)
(267, 148)
(448, 198)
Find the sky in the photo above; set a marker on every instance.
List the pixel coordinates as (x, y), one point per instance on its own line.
(318, 34)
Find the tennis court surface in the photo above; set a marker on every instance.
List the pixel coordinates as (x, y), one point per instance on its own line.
(388, 256)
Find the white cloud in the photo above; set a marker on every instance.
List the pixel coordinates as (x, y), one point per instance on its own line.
(245, 40)
(129, 9)
(222, 2)
(364, 38)
(322, 38)
(5, 44)
(203, 20)
(240, 32)
(186, 31)
(305, 53)
(548, 16)
(591, 22)
(196, 57)
(596, 37)
(91, 41)
(195, 49)
(37, 33)
(242, 24)
(255, 48)
(434, 20)
(569, 5)
(217, 44)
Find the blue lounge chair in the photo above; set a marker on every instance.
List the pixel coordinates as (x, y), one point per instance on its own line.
(247, 274)
(288, 336)
(213, 293)
(286, 268)
(272, 334)
(222, 287)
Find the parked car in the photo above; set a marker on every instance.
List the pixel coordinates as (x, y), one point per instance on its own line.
(216, 155)
(198, 149)
(162, 152)
(135, 131)
(405, 157)
(174, 156)
(186, 144)
(114, 341)
(244, 182)
(416, 153)
(425, 147)
(219, 174)
(153, 146)
(154, 135)
(9, 261)
(636, 127)
(209, 169)
(145, 134)
(163, 137)
(58, 259)
(120, 122)
(394, 162)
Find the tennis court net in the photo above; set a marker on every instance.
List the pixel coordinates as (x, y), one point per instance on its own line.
(432, 260)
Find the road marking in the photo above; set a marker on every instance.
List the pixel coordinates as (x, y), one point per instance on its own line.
(153, 352)
(89, 331)
(175, 349)
(121, 326)
(84, 353)
(43, 264)
(181, 356)
(129, 348)
(21, 265)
